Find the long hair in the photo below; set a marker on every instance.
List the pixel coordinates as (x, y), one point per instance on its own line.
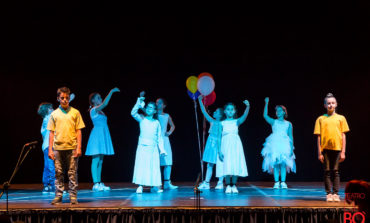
(43, 109)
(284, 109)
(91, 97)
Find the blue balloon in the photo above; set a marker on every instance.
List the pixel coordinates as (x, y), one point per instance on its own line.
(193, 96)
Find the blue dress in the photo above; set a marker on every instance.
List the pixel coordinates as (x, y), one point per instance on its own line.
(100, 142)
(213, 142)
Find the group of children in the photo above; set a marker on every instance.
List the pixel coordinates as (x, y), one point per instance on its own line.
(61, 130)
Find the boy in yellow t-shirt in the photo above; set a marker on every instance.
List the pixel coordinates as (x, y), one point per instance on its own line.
(65, 126)
(331, 142)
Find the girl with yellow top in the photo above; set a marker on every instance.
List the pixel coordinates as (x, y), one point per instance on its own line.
(330, 129)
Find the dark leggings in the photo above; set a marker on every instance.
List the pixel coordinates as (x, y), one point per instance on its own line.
(231, 180)
(331, 169)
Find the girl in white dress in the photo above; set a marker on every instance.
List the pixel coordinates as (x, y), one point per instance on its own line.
(212, 149)
(278, 149)
(147, 170)
(234, 164)
(166, 161)
(100, 142)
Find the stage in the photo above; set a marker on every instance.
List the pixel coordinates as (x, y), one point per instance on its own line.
(256, 202)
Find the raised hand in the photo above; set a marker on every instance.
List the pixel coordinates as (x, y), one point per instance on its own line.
(267, 100)
(200, 97)
(246, 102)
(115, 90)
(142, 94)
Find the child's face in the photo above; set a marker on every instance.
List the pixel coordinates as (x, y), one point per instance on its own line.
(150, 110)
(64, 100)
(160, 104)
(217, 115)
(230, 111)
(331, 104)
(280, 113)
(97, 100)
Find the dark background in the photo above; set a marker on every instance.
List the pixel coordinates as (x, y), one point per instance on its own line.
(295, 55)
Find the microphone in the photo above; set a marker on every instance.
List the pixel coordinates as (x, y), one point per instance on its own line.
(31, 143)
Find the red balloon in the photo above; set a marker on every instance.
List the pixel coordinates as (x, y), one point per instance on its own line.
(209, 99)
(205, 74)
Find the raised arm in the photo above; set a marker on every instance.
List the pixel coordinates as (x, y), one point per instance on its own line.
(265, 112)
(134, 112)
(245, 114)
(172, 125)
(106, 99)
(203, 109)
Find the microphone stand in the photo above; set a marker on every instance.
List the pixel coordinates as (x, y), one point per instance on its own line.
(197, 196)
(6, 184)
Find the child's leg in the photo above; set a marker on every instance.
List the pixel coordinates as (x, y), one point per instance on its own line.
(234, 180)
(276, 173)
(283, 172)
(72, 164)
(335, 169)
(327, 178)
(167, 172)
(100, 166)
(51, 170)
(59, 173)
(45, 174)
(209, 172)
(228, 179)
(94, 168)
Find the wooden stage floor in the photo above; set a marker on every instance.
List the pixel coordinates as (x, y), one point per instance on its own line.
(123, 196)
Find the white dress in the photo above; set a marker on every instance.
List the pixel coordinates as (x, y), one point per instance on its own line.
(100, 142)
(165, 160)
(231, 147)
(213, 142)
(147, 169)
(278, 148)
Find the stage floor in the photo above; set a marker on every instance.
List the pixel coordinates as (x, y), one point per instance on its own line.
(123, 196)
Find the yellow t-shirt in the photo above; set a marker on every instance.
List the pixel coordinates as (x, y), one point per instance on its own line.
(65, 123)
(330, 129)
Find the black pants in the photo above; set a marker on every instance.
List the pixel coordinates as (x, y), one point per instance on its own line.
(331, 170)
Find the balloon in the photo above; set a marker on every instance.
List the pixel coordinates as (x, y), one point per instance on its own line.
(193, 96)
(205, 74)
(206, 85)
(191, 84)
(209, 99)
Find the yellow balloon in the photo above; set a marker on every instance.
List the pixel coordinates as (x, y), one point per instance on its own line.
(191, 84)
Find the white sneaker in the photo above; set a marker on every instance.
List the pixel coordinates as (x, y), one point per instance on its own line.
(139, 190)
(156, 190)
(329, 197)
(228, 189)
(276, 185)
(168, 186)
(336, 197)
(220, 185)
(283, 185)
(234, 190)
(103, 187)
(204, 185)
(97, 187)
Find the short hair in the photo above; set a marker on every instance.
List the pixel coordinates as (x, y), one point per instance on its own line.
(43, 108)
(284, 109)
(329, 95)
(63, 90)
(155, 116)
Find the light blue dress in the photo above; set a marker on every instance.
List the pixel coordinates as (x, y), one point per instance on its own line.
(147, 170)
(212, 144)
(278, 148)
(100, 142)
(165, 160)
(234, 163)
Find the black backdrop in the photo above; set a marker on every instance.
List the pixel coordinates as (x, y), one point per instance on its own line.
(295, 60)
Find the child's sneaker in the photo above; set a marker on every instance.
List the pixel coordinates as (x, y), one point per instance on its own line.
(283, 185)
(234, 190)
(156, 190)
(73, 200)
(220, 185)
(329, 197)
(139, 190)
(56, 200)
(228, 189)
(103, 187)
(336, 197)
(96, 187)
(276, 185)
(204, 185)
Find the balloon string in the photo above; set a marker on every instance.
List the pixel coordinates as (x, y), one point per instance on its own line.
(200, 152)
